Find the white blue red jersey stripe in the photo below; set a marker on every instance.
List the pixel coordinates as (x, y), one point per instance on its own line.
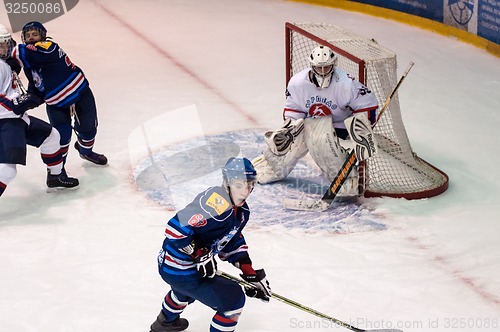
(210, 221)
(68, 92)
(51, 74)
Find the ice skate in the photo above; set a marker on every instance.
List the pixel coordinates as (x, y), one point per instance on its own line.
(61, 181)
(161, 325)
(96, 158)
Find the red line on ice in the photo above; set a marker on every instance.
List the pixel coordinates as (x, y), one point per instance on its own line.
(468, 281)
(178, 64)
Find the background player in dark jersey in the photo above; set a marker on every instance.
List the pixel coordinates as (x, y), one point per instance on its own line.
(63, 86)
(18, 129)
(210, 225)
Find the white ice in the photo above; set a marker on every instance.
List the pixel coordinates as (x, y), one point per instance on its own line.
(86, 260)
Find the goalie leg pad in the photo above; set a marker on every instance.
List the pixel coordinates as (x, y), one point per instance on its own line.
(323, 145)
(328, 153)
(351, 186)
(271, 167)
(265, 173)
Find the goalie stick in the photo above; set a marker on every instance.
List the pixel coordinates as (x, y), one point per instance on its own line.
(303, 307)
(327, 199)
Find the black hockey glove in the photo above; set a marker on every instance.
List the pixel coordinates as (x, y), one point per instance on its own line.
(25, 102)
(261, 288)
(14, 65)
(205, 262)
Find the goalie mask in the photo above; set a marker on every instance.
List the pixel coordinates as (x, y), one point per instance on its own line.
(33, 32)
(6, 43)
(323, 62)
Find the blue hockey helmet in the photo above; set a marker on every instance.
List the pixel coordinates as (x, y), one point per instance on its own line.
(34, 25)
(238, 168)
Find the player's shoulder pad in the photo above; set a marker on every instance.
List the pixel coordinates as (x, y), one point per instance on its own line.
(299, 78)
(216, 202)
(341, 76)
(4, 66)
(46, 44)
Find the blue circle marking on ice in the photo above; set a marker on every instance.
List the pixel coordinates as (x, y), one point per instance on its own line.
(173, 176)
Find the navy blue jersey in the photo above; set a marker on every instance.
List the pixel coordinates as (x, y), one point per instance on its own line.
(211, 221)
(50, 73)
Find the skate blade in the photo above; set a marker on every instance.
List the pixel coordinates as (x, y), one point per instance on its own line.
(61, 189)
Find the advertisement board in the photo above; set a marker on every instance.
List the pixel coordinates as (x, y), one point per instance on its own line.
(479, 17)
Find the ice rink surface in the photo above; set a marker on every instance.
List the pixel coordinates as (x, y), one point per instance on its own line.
(189, 72)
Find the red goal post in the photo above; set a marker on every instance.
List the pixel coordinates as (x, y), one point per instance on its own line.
(396, 171)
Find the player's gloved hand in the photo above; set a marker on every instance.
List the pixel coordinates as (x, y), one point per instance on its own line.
(205, 262)
(261, 288)
(14, 65)
(25, 102)
(280, 141)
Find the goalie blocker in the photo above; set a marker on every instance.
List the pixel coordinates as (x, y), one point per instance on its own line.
(361, 134)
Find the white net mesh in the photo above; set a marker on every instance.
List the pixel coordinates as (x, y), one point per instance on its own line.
(396, 171)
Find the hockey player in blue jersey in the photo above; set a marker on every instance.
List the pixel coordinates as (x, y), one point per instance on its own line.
(63, 86)
(211, 225)
(18, 129)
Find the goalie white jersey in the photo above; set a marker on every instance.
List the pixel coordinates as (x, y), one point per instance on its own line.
(343, 97)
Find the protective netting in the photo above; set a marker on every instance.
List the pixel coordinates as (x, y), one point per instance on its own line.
(396, 171)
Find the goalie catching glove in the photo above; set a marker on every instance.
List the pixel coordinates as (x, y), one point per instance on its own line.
(281, 140)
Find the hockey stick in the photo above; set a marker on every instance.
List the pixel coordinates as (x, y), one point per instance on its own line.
(327, 199)
(19, 83)
(303, 307)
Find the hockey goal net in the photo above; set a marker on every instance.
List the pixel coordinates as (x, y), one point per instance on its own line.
(396, 171)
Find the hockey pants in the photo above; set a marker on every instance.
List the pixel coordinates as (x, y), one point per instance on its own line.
(222, 295)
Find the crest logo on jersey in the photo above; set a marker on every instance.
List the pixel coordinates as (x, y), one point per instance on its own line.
(319, 110)
(37, 80)
(218, 203)
(225, 239)
(197, 220)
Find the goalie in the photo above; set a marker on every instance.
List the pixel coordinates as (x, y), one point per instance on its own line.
(326, 112)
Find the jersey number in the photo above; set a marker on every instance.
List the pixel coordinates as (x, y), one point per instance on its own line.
(364, 91)
(68, 62)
